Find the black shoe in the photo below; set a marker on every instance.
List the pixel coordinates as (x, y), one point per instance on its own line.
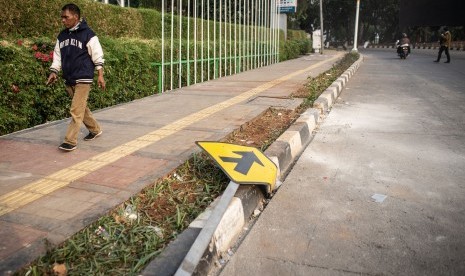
(447, 62)
(67, 147)
(92, 136)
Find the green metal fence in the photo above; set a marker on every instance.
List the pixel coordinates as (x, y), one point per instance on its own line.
(229, 36)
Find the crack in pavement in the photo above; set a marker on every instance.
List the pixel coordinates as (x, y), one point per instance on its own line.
(322, 267)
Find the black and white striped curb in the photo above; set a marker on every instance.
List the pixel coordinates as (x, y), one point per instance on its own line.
(454, 47)
(288, 147)
(249, 198)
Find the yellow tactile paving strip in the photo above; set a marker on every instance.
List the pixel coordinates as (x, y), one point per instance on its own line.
(35, 190)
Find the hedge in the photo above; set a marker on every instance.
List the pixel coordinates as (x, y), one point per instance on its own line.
(35, 18)
(25, 100)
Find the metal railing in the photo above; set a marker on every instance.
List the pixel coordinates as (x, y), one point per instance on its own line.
(213, 66)
(245, 36)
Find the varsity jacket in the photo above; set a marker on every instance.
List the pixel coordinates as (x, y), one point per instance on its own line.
(78, 53)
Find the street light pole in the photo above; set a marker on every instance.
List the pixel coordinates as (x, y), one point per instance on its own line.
(321, 24)
(356, 27)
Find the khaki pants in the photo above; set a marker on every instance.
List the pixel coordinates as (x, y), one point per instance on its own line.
(80, 113)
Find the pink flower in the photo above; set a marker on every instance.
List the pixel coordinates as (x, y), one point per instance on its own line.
(34, 47)
(19, 42)
(44, 57)
(15, 88)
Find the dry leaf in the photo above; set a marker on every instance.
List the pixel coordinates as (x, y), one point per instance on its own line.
(59, 269)
(119, 219)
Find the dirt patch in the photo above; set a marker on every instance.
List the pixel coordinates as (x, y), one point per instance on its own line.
(264, 130)
(302, 92)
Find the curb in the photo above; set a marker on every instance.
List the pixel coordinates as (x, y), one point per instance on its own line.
(419, 47)
(248, 198)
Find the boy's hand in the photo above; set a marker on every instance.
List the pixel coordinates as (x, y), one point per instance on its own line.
(52, 78)
(101, 80)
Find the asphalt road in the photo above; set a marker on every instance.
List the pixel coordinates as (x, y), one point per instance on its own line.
(381, 188)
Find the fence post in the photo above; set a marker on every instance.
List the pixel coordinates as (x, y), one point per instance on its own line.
(160, 78)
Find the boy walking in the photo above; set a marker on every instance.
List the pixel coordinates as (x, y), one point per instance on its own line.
(78, 54)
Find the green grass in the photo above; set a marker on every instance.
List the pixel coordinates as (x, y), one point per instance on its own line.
(315, 86)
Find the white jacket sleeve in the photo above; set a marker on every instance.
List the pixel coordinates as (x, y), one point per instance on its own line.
(56, 64)
(96, 52)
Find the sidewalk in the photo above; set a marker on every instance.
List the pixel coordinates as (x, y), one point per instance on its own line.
(380, 189)
(48, 194)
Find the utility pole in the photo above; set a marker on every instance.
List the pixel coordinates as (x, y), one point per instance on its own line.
(321, 28)
(356, 27)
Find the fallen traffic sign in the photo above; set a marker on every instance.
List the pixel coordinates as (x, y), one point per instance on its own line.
(243, 165)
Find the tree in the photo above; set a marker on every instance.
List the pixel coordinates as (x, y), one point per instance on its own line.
(376, 16)
(379, 16)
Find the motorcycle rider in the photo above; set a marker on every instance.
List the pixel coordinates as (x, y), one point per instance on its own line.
(403, 41)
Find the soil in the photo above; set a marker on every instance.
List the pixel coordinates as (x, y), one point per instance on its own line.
(264, 130)
(302, 92)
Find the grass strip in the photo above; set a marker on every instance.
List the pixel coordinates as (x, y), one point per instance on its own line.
(317, 85)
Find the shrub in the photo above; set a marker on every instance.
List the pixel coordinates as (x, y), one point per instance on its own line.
(23, 90)
(131, 42)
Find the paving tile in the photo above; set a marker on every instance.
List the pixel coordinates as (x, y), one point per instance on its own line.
(150, 110)
(230, 118)
(179, 144)
(22, 257)
(16, 156)
(56, 208)
(122, 173)
(79, 195)
(91, 187)
(139, 163)
(18, 235)
(113, 176)
(32, 220)
(11, 180)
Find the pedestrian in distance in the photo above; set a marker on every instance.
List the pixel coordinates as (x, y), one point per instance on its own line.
(77, 54)
(444, 41)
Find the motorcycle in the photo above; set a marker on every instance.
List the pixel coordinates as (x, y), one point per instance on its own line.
(402, 50)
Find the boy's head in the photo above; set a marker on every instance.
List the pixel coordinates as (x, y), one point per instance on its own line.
(70, 15)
